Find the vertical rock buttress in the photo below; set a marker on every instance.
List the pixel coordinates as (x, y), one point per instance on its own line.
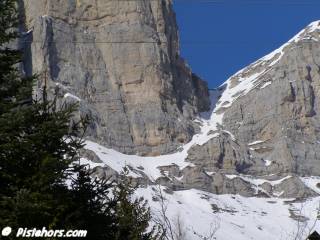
(121, 61)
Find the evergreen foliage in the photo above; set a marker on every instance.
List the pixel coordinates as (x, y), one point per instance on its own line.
(133, 216)
(39, 155)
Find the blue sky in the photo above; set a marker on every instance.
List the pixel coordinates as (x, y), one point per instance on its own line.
(219, 37)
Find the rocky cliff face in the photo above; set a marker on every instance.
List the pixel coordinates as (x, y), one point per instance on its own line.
(270, 114)
(260, 138)
(120, 60)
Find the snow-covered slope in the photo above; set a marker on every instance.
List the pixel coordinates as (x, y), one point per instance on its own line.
(236, 217)
(227, 216)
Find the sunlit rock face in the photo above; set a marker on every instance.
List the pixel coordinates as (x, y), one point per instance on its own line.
(270, 114)
(120, 60)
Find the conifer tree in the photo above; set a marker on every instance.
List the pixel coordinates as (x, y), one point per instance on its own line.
(91, 206)
(133, 215)
(39, 153)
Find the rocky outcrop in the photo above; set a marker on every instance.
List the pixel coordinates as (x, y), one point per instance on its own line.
(270, 114)
(244, 185)
(120, 60)
(196, 177)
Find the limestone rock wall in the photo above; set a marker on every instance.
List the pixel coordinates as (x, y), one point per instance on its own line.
(121, 61)
(275, 126)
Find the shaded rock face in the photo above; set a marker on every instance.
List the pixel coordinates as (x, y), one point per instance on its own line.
(121, 61)
(276, 124)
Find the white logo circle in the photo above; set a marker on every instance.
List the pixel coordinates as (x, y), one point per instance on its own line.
(6, 231)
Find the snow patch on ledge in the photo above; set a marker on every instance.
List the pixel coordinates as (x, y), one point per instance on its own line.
(255, 142)
(312, 182)
(258, 181)
(265, 85)
(267, 163)
(69, 95)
